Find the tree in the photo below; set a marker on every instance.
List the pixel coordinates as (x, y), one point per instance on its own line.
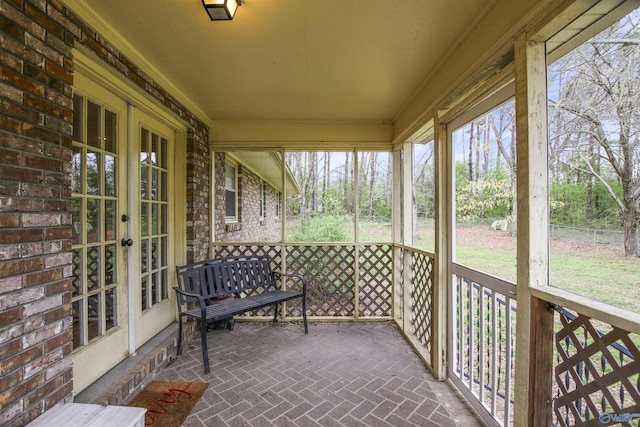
(503, 128)
(422, 191)
(595, 97)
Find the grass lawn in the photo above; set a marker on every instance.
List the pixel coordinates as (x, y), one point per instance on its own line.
(599, 272)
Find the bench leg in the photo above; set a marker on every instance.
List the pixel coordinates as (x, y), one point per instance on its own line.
(275, 313)
(304, 314)
(205, 349)
(179, 350)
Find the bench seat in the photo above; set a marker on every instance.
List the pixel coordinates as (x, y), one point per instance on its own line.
(231, 308)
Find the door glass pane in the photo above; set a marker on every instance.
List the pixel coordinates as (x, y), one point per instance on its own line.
(144, 255)
(145, 292)
(154, 253)
(163, 151)
(154, 218)
(154, 149)
(76, 170)
(78, 118)
(154, 184)
(163, 219)
(76, 280)
(110, 129)
(144, 146)
(154, 288)
(111, 308)
(109, 175)
(144, 219)
(144, 182)
(163, 186)
(93, 328)
(76, 219)
(79, 320)
(110, 264)
(163, 251)
(93, 220)
(94, 165)
(165, 285)
(110, 219)
(93, 125)
(93, 268)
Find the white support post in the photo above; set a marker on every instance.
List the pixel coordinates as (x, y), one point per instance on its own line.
(356, 222)
(442, 252)
(407, 233)
(396, 221)
(533, 225)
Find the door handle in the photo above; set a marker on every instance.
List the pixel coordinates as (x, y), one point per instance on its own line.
(126, 242)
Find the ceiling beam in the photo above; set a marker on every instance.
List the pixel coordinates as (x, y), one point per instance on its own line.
(300, 135)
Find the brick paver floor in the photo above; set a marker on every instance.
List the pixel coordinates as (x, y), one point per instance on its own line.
(340, 374)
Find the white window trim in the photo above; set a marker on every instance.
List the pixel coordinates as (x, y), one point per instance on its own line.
(231, 219)
(263, 200)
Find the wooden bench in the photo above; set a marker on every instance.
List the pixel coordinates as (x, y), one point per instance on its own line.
(250, 279)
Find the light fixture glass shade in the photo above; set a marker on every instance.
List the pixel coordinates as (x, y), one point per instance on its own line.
(221, 10)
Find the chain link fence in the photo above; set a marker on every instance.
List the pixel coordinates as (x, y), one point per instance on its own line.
(588, 236)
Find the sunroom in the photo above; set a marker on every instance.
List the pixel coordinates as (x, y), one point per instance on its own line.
(466, 171)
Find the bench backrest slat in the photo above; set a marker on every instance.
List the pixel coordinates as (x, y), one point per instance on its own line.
(224, 276)
(240, 274)
(195, 279)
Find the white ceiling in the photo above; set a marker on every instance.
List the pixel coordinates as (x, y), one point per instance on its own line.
(289, 60)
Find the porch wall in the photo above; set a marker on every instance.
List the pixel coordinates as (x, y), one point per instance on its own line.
(36, 89)
(249, 226)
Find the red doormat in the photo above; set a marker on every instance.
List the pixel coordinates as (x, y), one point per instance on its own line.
(168, 403)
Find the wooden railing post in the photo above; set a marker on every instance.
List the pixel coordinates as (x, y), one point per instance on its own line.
(541, 363)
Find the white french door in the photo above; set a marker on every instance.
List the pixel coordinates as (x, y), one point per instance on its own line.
(122, 213)
(99, 262)
(154, 187)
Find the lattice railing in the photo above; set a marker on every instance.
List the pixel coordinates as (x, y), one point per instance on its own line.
(597, 374)
(375, 281)
(330, 274)
(421, 297)
(273, 251)
(330, 271)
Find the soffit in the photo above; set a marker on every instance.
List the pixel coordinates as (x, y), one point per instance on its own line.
(603, 14)
(268, 166)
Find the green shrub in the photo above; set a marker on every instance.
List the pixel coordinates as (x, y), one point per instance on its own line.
(323, 229)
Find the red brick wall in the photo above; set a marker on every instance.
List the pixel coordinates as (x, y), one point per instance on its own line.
(250, 227)
(198, 190)
(35, 152)
(36, 80)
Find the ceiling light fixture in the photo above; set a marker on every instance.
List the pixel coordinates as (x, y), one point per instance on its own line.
(221, 10)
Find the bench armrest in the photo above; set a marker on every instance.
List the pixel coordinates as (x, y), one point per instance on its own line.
(203, 305)
(295, 275)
